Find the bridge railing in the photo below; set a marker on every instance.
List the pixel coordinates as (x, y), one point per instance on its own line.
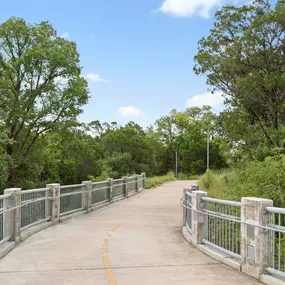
(223, 225)
(24, 212)
(248, 235)
(4, 211)
(33, 207)
(276, 241)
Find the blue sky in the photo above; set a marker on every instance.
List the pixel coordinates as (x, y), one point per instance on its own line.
(136, 54)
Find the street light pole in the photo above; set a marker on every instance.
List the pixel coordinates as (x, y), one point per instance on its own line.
(176, 163)
(208, 150)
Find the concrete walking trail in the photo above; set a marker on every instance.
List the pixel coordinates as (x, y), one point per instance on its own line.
(137, 241)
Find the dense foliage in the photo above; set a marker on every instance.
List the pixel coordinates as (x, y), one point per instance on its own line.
(244, 57)
(42, 93)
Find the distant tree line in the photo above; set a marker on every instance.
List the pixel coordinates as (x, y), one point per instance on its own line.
(42, 92)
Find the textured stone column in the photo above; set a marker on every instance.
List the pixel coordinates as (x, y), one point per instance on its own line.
(255, 251)
(137, 183)
(199, 220)
(110, 182)
(143, 177)
(126, 188)
(55, 201)
(87, 196)
(12, 218)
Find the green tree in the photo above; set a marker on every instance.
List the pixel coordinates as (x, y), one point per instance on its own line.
(244, 58)
(41, 86)
(187, 132)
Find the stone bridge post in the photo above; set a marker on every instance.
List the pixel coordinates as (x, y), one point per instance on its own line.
(199, 220)
(53, 202)
(87, 196)
(12, 218)
(255, 249)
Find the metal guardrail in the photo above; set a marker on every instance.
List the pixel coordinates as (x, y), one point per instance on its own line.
(118, 188)
(33, 207)
(4, 234)
(132, 184)
(100, 192)
(276, 241)
(71, 198)
(188, 204)
(223, 225)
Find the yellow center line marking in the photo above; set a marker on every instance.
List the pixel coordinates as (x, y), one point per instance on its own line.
(105, 258)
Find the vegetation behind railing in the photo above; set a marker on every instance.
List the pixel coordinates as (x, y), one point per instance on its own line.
(159, 180)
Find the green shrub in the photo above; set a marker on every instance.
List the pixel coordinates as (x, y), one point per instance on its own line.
(185, 176)
(208, 178)
(264, 179)
(159, 180)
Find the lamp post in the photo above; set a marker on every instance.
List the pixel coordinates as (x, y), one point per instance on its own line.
(208, 150)
(176, 163)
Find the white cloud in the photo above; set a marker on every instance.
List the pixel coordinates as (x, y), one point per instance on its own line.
(130, 111)
(216, 101)
(188, 8)
(64, 35)
(94, 77)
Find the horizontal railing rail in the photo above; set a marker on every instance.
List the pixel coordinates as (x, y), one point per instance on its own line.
(221, 202)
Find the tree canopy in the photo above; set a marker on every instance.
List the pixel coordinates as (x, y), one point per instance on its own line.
(243, 56)
(41, 87)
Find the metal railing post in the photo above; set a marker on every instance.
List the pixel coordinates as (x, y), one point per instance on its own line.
(190, 189)
(255, 252)
(199, 220)
(48, 204)
(12, 218)
(55, 201)
(185, 190)
(87, 196)
(111, 183)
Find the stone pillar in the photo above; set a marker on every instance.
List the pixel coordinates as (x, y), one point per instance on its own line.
(137, 183)
(143, 177)
(12, 218)
(87, 196)
(199, 220)
(110, 182)
(126, 188)
(255, 251)
(55, 201)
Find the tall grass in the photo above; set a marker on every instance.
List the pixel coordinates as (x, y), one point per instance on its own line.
(264, 179)
(219, 184)
(186, 176)
(159, 180)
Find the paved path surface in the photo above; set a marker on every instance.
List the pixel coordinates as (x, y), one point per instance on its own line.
(140, 238)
